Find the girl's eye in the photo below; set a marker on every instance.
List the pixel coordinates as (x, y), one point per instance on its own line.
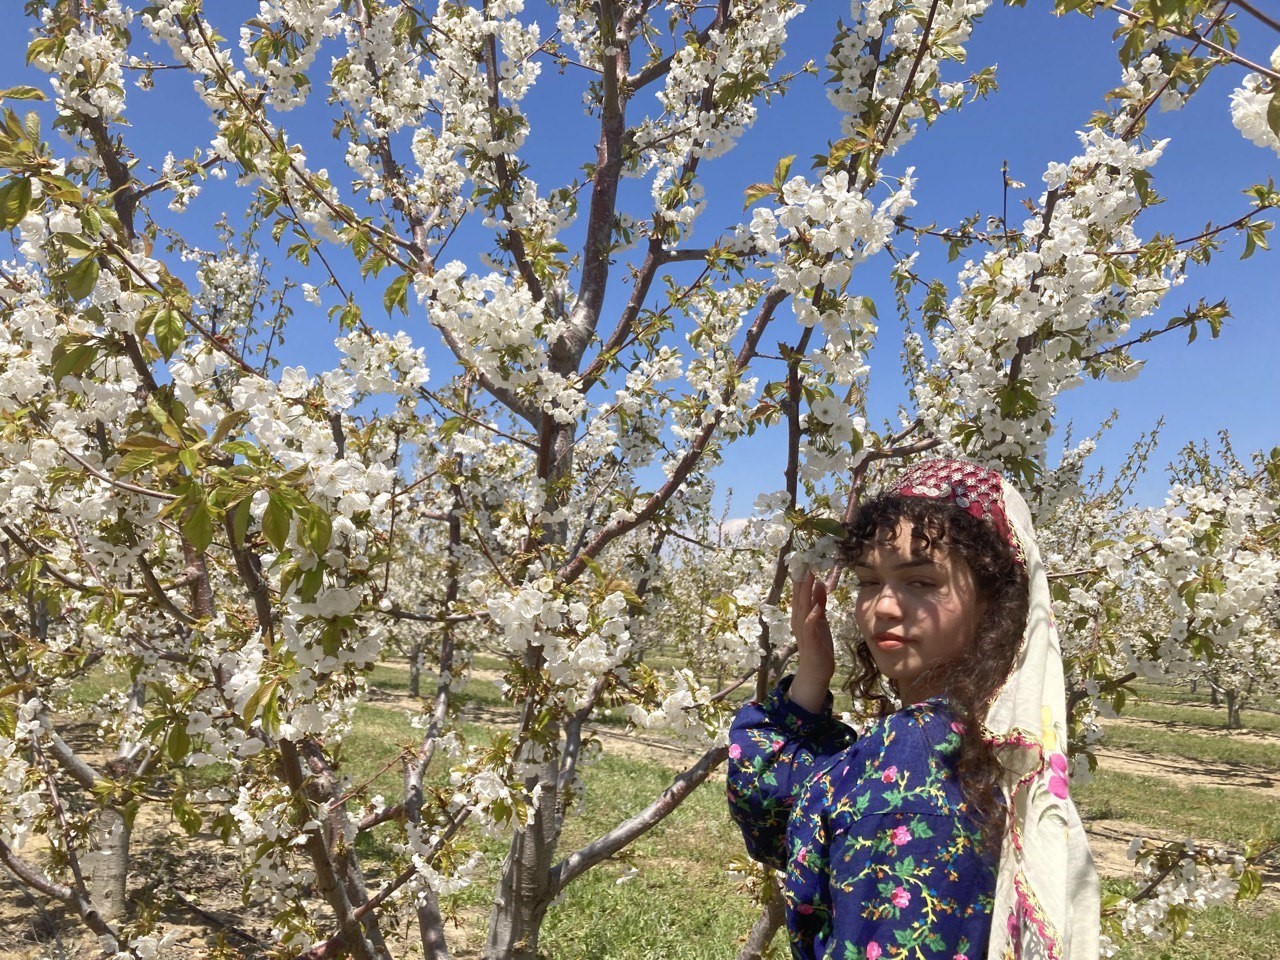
(868, 585)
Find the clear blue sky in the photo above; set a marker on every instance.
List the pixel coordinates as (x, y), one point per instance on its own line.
(1052, 75)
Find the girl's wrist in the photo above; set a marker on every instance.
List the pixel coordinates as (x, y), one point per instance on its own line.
(809, 692)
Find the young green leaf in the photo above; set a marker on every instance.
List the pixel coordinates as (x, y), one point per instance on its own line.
(276, 520)
(15, 201)
(82, 278)
(198, 527)
(397, 295)
(169, 329)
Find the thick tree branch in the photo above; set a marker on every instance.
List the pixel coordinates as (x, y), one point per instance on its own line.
(616, 528)
(328, 876)
(577, 863)
(76, 901)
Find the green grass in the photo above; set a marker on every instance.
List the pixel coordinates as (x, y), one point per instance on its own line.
(475, 692)
(682, 904)
(1201, 716)
(1181, 693)
(87, 689)
(1202, 749)
(1225, 814)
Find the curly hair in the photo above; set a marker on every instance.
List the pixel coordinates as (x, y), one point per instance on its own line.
(972, 680)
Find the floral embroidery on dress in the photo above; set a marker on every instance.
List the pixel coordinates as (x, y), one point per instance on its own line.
(881, 858)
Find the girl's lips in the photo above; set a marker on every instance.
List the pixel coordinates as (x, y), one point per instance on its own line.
(889, 641)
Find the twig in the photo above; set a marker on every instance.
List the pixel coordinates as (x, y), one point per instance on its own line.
(215, 919)
(1193, 36)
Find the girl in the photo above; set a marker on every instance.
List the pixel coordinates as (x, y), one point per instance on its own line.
(946, 830)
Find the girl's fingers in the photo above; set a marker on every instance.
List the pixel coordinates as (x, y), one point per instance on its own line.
(801, 601)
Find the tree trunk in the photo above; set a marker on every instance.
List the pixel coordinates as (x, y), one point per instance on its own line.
(526, 888)
(1233, 710)
(1213, 695)
(108, 865)
(431, 927)
(415, 669)
(107, 869)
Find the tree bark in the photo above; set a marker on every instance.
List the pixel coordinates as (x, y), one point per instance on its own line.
(415, 669)
(1233, 710)
(107, 867)
(526, 887)
(431, 927)
(766, 927)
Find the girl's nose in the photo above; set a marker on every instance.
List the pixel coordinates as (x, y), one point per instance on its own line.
(887, 604)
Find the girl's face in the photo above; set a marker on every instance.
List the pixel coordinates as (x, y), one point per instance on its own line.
(916, 610)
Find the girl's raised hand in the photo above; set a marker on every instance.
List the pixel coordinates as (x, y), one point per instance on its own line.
(816, 658)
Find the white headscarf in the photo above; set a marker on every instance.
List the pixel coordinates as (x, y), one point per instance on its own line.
(1047, 889)
(1046, 903)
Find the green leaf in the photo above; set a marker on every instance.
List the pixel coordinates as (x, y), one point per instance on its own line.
(22, 93)
(135, 460)
(275, 522)
(755, 193)
(81, 278)
(240, 521)
(270, 719)
(241, 448)
(397, 295)
(15, 201)
(73, 362)
(1273, 113)
(227, 424)
(178, 743)
(197, 528)
(841, 150)
(169, 329)
(319, 530)
(828, 526)
(145, 441)
(188, 817)
(782, 169)
(1250, 884)
(39, 47)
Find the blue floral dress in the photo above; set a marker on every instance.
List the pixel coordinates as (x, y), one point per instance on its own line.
(880, 856)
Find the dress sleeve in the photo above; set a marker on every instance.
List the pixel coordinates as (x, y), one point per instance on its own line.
(774, 747)
(884, 861)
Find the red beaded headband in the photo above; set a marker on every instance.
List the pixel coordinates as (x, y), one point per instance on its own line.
(975, 490)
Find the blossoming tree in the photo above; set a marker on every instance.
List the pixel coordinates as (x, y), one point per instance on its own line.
(240, 537)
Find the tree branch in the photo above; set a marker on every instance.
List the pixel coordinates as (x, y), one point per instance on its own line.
(616, 528)
(577, 863)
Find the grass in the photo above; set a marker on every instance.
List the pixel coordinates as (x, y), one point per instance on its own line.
(1226, 814)
(1180, 694)
(1201, 716)
(1180, 743)
(682, 904)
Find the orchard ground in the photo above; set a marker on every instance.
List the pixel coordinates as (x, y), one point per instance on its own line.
(1167, 770)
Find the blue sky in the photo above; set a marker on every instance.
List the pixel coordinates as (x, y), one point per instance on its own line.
(1052, 75)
